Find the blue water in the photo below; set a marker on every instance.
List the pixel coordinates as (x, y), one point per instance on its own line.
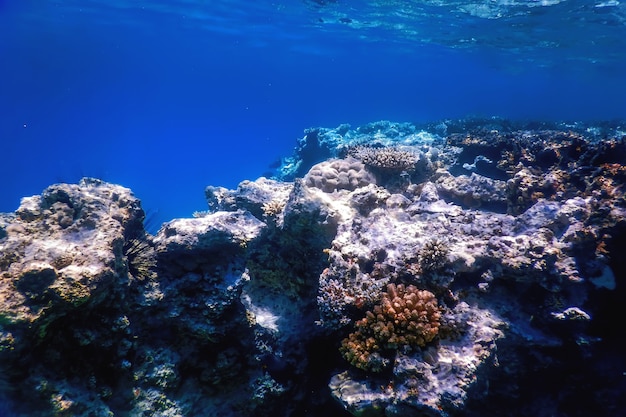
(167, 97)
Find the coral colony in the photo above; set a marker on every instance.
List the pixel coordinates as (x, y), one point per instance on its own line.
(462, 268)
(404, 318)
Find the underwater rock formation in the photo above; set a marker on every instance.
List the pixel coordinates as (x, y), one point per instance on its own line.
(461, 269)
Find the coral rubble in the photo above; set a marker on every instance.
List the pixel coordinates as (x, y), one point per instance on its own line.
(462, 268)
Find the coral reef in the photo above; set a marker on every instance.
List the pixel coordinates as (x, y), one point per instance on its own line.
(460, 268)
(319, 144)
(404, 318)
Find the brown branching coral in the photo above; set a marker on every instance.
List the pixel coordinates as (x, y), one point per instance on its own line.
(405, 317)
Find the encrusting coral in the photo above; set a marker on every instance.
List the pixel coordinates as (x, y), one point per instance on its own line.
(406, 317)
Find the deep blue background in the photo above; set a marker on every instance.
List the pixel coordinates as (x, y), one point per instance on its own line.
(166, 109)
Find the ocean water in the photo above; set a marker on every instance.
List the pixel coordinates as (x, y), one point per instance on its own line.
(167, 97)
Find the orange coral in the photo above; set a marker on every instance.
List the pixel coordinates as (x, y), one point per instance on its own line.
(405, 317)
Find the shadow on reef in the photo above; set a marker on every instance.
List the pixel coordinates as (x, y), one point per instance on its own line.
(571, 371)
(464, 268)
